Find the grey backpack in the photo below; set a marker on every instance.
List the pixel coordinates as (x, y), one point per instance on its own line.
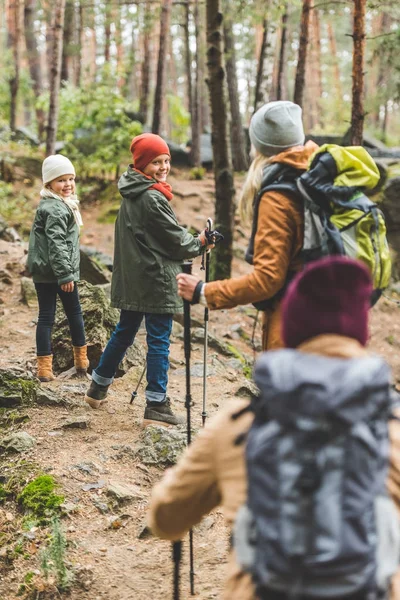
(318, 521)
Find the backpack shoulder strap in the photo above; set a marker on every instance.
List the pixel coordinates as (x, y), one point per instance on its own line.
(276, 177)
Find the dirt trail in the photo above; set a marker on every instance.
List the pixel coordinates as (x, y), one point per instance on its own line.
(126, 563)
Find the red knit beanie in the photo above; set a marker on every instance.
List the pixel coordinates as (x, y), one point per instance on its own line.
(332, 295)
(145, 148)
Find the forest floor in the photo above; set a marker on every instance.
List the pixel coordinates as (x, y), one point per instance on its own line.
(125, 562)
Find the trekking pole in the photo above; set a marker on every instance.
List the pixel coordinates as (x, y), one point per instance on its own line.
(177, 546)
(206, 278)
(134, 393)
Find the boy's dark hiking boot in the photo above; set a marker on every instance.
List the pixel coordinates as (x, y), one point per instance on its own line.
(96, 394)
(160, 413)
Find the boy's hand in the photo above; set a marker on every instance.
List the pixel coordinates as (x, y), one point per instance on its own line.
(67, 287)
(186, 285)
(203, 239)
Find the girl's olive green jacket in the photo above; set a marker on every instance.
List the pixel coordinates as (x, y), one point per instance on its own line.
(150, 246)
(53, 255)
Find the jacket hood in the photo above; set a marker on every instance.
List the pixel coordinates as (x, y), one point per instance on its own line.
(132, 184)
(298, 156)
(297, 384)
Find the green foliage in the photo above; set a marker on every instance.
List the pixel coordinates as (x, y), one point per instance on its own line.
(53, 559)
(179, 117)
(93, 123)
(197, 173)
(38, 498)
(15, 209)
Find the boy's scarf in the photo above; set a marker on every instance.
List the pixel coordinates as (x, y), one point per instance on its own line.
(160, 186)
(72, 202)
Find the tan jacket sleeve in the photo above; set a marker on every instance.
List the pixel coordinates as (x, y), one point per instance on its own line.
(187, 491)
(278, 239)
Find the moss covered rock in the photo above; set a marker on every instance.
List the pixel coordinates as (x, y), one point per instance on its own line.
(17, 387)
(161, 446)
(100, 320)
(38, 498)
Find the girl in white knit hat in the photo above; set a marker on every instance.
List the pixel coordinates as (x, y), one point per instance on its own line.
(53, 261)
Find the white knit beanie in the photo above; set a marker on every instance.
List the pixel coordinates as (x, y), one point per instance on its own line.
(276, 126)
(55, 166)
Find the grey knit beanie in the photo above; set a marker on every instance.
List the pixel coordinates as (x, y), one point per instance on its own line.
(276, 126)
(56, 165)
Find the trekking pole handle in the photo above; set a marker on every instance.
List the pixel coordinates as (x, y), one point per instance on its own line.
(187, 267)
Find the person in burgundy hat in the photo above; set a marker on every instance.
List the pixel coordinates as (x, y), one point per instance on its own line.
(324, 322)
(150, 246)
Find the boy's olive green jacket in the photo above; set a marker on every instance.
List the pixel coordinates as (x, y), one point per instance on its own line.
(149, 249)
(53, 255)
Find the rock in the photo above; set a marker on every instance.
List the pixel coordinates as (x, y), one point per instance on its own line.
(104, 260)
(248, 390)
(19, 441)
(97, 485)
(28, 292)
(101, 506)
(91, 271)
(161, 446)
(5, 277)
(123, 493)
(100, 321)
(196, 370)
(76, 423)
(17, 387)
(118, 521)
(197, 335)
(391, 208)
(46, 397)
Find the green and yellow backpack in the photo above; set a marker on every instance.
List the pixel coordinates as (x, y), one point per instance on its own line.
(338, 217)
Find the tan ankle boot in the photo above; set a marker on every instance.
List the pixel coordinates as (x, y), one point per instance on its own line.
(81, 362)
(45, 368)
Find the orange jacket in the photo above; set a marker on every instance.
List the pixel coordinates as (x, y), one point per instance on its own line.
(211, 472)
(277, 245)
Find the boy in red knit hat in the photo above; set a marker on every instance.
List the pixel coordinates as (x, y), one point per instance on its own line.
(149, 248)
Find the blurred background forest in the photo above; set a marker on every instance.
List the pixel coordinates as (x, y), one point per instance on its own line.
(83, 77)
(127, 66)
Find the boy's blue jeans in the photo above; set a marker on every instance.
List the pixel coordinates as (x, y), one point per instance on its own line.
(158, 328)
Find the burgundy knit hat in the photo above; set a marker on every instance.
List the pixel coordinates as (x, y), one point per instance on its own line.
(145, 148)
(332, 295)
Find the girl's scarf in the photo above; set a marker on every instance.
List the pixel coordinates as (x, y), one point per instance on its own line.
(71, 201)
(160, 186)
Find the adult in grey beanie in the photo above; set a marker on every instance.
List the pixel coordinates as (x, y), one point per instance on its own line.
(276, 126)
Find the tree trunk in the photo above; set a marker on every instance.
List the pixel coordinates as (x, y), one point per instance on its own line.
(383, 74)
(302, 56)
(55, 77)
(282, 53)
(49, 16)
(145, 85)
(80, 33)
(68, 42)
(162, 52)
(188, 59)
(222, 163)
(357, 107)
(131, 84)
(258, 95)
(34, 61)
(119, 48)
(13, 42)
(317, 64)
(107, 33)
(336, 72)
(238, 143)
(195, 157)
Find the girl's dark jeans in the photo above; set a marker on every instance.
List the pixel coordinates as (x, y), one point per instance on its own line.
(47, 296)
